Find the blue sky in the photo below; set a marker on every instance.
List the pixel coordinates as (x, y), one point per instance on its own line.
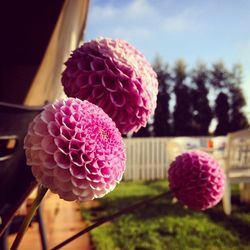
(189, 29)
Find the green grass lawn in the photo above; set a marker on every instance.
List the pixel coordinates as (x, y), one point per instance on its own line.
(165, 225)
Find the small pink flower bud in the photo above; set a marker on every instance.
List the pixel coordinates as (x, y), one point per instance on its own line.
(197, 178)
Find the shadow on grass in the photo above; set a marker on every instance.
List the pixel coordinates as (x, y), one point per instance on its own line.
(164, 223)
(235, 222)
(162, 207)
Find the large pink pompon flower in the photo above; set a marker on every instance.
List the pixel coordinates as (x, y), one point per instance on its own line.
(75, 150)
(197, 180)
(115, 76)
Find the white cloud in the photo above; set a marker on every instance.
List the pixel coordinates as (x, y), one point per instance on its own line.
(137, 9)
(141, 14)
(104, 13)
(183, 21)
(175, 23)
(125, 21)
(140, 9)
(132, 33)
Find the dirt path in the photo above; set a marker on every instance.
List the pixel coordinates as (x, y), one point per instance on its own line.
(62, 219)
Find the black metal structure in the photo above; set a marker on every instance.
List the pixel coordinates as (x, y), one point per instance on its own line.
(16, 179)
(27, 28)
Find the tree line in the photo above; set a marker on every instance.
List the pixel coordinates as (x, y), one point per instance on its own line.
(188, 101)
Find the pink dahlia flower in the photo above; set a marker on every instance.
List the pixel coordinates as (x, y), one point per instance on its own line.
(75, 150)
(198, 180)
(115, 76)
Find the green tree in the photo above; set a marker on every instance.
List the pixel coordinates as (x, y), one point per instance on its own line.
(144, 131)
(183, 110)
(228, 107)
(219, 76)
(222, 114)
(238, 119)
(219, 79)
(162, 114)
(202, 112)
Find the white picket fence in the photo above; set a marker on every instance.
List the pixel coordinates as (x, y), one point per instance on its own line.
(149, 158)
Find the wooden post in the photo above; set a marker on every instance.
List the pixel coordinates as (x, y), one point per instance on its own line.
(68, 33)
(245, 192)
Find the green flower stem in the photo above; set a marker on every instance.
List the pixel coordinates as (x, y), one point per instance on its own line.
(41, 193)
(113, 216)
